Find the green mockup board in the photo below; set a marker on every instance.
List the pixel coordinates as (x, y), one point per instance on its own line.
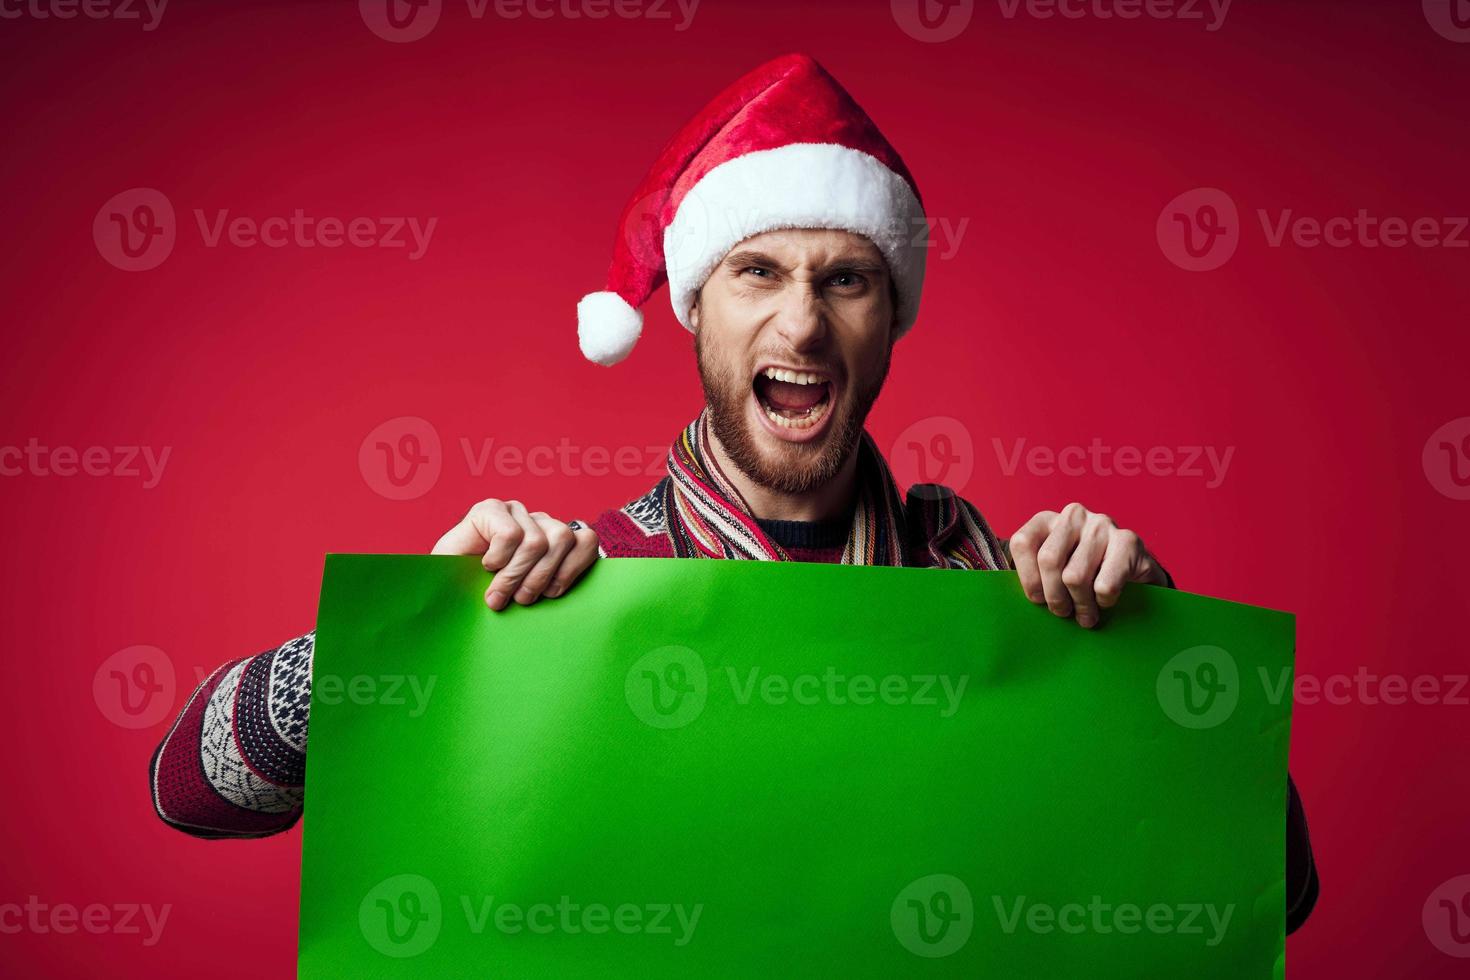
(757, 769)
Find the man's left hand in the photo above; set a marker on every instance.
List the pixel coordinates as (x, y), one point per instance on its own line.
(1077, 562)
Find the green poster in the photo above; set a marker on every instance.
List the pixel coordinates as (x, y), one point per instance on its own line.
(751, 769)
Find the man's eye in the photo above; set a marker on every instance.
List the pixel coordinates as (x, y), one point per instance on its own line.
(758, 271)
(846, 280)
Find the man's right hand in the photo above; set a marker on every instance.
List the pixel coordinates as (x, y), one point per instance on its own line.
(530, 553)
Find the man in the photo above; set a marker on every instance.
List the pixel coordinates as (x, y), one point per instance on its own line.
(782, 221)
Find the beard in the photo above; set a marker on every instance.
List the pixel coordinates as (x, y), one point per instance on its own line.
(790, 468)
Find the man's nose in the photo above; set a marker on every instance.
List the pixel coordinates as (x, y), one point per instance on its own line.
(801, 322)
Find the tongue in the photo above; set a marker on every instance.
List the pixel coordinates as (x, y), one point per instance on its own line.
(791, 397)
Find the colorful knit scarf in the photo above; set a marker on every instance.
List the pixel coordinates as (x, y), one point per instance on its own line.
(708, 518)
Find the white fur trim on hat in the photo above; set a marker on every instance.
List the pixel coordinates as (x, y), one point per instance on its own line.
(801, 185)
(607, 327)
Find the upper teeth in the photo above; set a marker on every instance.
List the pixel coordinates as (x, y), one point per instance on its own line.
(794, 377)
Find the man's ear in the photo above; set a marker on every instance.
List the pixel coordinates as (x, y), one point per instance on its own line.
(694, 313)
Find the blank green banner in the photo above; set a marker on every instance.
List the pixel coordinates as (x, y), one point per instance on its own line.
(758, 769)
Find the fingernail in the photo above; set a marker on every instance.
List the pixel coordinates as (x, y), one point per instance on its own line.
(525, 597)
(1086, 622)
(496, 600)
(552, 591)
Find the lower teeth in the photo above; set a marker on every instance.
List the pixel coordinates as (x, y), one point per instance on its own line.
(803, 421)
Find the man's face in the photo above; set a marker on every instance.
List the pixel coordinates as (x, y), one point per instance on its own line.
(793, 333)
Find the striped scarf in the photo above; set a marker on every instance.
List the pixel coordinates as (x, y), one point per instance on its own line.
(708, 518)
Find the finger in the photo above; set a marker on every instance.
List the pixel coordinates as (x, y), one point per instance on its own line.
(532, 546)
(581, 558)
(1024, 545)
(1124, 559)
(559, 543)
(501, 530)
(487, 530)
(464, 538)
(1053, 556)
(1081, 570)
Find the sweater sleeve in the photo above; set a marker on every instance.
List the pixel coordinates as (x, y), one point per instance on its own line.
(1301, 869)
(234, 762)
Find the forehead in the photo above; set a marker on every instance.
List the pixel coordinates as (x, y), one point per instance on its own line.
(811, 246)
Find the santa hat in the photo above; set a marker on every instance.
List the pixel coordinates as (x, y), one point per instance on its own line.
(783, 147)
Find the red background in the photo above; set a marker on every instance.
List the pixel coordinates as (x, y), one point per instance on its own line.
(1059, 318)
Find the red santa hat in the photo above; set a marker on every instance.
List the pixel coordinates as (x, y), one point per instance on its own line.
(783, 147)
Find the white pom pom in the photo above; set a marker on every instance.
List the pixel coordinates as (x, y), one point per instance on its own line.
(607, 327)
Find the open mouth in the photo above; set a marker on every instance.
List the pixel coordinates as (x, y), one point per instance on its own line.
(793, 399)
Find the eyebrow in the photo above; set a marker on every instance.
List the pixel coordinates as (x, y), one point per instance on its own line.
(749, 257)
